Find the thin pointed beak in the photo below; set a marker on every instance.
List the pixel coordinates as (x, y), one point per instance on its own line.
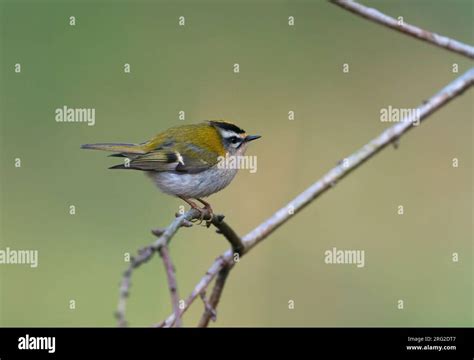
(252, 137)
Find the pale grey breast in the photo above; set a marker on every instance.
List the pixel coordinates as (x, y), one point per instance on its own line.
(196, 185)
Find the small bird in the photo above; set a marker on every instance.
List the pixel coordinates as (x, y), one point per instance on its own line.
(183, 161)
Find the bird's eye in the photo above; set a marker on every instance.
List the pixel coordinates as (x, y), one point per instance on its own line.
(234, 139)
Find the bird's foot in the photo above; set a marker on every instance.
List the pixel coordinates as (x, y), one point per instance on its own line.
(205, 213)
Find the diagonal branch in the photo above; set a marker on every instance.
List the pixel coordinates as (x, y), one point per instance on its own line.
(329, 180)
(424, 35)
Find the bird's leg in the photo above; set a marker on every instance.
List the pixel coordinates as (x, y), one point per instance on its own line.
(208, 208)
(202, 211)
(191, 203)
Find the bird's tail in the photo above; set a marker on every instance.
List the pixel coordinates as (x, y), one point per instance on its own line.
(116, 147)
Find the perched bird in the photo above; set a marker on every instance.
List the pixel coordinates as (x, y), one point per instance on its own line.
(184, 160)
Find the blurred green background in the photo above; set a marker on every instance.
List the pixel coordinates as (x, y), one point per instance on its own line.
(190, 68)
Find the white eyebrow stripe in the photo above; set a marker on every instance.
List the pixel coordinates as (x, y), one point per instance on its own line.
(227, 133)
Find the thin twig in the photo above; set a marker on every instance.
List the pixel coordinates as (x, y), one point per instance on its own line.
(146, 254)
(222, 261)
(172, 283)
(238, 248)
(143, 256)
(328, 181)
(210, 310)
(430, 37)
(208, 307)
(181, 220)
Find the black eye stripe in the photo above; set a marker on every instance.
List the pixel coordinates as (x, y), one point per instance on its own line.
(234, 139)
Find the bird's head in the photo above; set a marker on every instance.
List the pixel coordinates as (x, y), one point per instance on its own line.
(234, 139)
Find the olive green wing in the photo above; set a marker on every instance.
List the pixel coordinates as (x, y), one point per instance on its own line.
(185, 158)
